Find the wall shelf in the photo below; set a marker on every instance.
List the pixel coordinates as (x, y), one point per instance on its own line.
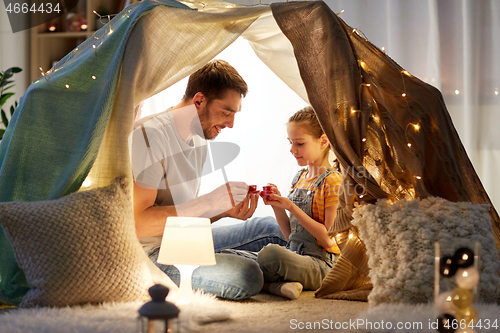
(48, 47)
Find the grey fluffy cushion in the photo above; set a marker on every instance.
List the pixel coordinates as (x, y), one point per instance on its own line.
(400, 238)
(81, 248)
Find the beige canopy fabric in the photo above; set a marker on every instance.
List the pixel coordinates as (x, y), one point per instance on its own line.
(165, 46)
(390, 131)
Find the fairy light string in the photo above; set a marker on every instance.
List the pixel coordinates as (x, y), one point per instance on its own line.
(413, 127)
(95, 47)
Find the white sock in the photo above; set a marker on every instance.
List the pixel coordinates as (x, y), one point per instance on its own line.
(289, 290)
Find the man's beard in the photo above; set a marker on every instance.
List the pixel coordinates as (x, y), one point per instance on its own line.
(200, 127)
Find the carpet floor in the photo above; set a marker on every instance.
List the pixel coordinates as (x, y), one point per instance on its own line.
(261, 314)
(267, 313)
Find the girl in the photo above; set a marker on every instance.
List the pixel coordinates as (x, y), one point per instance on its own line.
(312, 204)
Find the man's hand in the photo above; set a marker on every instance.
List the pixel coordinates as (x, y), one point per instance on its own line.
(223, 197)
(230, 198)
(245, 209)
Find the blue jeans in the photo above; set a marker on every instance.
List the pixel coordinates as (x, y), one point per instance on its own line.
(251, 235)
(233, 277)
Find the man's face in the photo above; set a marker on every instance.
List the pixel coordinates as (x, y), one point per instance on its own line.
(218, 113)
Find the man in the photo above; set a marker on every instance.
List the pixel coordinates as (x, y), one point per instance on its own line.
(168, 156)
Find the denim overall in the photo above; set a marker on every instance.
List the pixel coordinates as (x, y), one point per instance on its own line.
(300, 240)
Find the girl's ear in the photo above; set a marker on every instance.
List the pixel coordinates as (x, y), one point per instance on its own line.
(325, 143)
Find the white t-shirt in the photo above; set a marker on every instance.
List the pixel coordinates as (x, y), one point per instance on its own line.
(182, 163)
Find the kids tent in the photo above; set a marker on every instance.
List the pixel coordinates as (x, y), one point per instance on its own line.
(390, 131)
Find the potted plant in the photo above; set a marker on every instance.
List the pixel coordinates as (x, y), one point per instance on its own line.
(6, 84)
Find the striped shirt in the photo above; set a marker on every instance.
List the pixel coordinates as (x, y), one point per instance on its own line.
(326, 195)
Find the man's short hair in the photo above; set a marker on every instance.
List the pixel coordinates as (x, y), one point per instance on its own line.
(214, 80)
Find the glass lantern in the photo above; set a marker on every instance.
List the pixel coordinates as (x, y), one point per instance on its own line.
(158, 315)
(455, 308)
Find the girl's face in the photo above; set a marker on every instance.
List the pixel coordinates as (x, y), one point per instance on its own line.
(306, 149)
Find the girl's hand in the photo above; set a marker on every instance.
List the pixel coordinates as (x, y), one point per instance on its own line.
(277, 201)
(275, 188)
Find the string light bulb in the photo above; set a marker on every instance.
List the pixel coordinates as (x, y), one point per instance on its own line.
(457, 92)
(409, 145)
(363, 64)
(418, 177)
(403, 94)
(364, 139)
(416, 127)
(93, 77)
(43, 74)
(67, 86)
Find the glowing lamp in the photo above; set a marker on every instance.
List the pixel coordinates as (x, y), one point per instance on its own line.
(187, 243)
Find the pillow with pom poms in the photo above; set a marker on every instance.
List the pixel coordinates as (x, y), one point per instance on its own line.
(399, 239)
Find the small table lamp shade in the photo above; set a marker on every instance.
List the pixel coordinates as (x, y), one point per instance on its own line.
(187, 244)
(187, 241)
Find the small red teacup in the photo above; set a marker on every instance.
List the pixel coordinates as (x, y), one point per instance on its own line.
(252, 189)
(266, 190)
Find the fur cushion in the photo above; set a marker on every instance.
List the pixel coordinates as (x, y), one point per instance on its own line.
(399, 238)
(81, 248)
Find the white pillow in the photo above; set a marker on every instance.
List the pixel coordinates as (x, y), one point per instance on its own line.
(400, 237)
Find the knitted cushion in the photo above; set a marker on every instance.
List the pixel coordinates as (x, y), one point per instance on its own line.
(400, 237)
(81, 248)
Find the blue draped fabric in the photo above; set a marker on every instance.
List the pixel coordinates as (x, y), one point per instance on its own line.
(55, 134)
